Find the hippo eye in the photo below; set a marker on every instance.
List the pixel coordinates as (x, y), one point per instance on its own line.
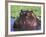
(24, 12)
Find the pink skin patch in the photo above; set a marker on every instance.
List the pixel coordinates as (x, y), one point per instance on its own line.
(31, 23)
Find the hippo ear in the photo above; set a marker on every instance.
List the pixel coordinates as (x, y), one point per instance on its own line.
(31, 11)
(21, 10)
(20, 13)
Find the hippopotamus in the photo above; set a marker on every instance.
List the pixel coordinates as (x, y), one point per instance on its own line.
(27, 21)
